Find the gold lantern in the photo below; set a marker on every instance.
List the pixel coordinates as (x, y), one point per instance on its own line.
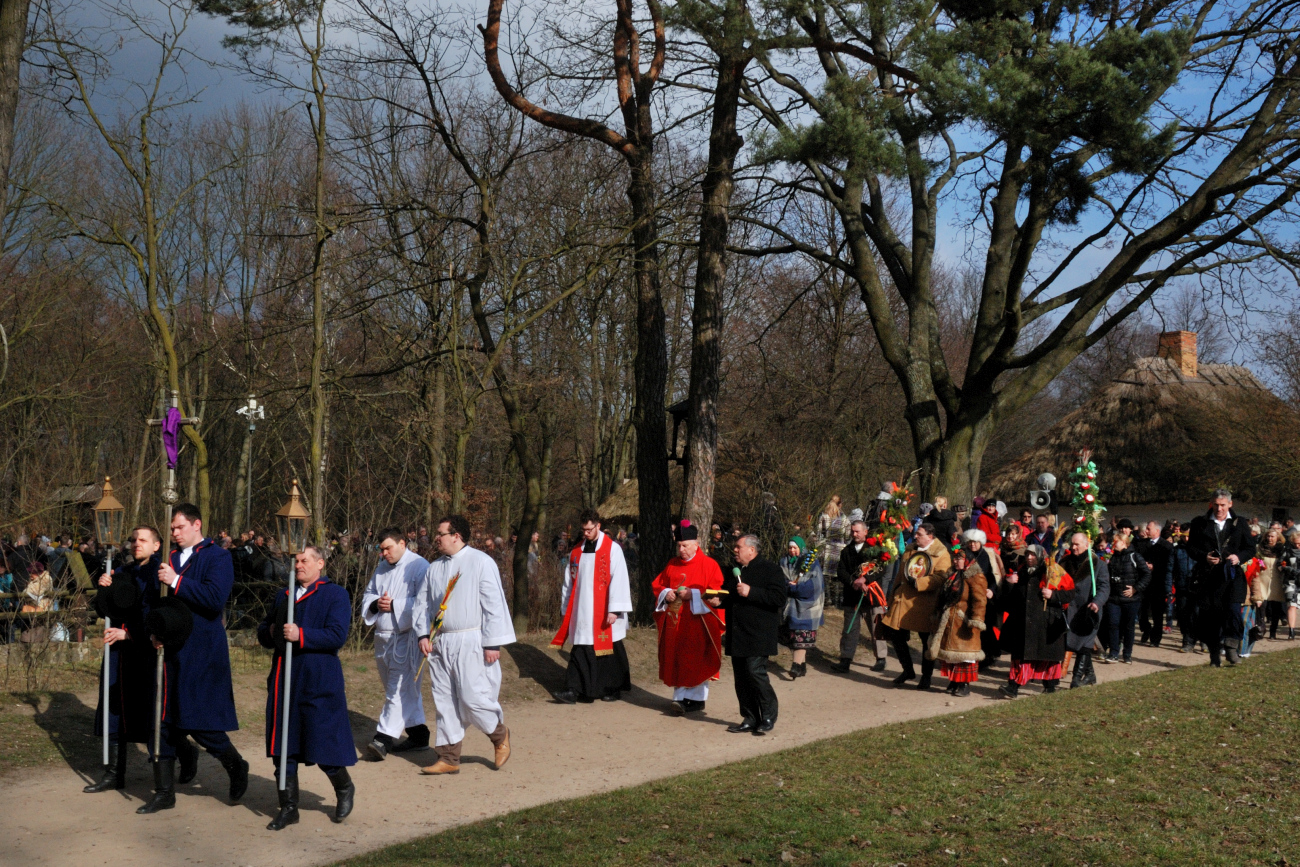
(109, 515)
(291, 523)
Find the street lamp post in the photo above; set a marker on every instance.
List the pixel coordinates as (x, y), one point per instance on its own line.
(255, 412)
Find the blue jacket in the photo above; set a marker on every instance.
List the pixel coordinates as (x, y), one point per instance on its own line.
(807, 595)
(198, 695)
(320, 732)
(131, 665)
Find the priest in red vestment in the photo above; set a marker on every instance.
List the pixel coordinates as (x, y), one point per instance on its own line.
(690, 624)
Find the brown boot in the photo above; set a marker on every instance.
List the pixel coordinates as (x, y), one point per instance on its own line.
(448, 761)
(501, 740)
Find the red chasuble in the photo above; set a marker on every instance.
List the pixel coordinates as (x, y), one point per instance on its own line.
(604, 645)
(690, 645)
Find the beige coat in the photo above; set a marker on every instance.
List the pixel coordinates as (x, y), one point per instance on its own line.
(912, 600)
(957, 638)
(1269, 585)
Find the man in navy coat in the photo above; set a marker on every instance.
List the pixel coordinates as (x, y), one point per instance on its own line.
(123, 598)
(198, 697)
(320, 732)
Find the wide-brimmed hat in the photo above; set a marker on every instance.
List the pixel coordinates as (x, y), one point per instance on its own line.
(171, 622)
(118, 599)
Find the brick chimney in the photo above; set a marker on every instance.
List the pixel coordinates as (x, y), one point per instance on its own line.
(1180, 348)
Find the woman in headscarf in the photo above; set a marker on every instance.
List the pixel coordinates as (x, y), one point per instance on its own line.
(1034, 632)
(956, 643)
(803, 610)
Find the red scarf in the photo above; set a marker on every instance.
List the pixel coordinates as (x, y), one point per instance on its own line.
(604, 639)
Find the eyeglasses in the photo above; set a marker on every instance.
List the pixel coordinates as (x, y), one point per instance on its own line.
(440, 535)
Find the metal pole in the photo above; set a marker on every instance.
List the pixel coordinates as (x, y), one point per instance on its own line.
(158, 690)
(288, 673)
(108, 623)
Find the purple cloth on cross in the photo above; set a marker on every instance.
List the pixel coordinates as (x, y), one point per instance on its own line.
(171, 436)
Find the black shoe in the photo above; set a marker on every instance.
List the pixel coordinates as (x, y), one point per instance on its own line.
(114, 772)
(879, 666)
(378, 749)
(765, 726)
(961, 690)
(908, 674)
(566, 696)
(188, 759)
(345, 790)
(742, 726)
(237, 768)
(612, 696)
(1090, 676)
(798, 669)
(164, 787)
(924, 683)
(690, 705)
(288, 805)
(417, 738)
(842, 666)
(1049, 686)
(1011, 689)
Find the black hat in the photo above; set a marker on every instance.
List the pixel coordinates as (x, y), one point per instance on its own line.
(171, 622)
(685, 531)
(118, 599)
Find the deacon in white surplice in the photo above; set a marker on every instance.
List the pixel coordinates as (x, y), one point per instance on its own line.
(389, 606)
(596, 600)
(464, 650)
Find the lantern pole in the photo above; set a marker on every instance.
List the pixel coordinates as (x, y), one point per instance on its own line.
(108, 519)
(288, 519)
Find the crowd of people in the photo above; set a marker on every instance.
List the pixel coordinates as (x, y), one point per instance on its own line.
(973, 584)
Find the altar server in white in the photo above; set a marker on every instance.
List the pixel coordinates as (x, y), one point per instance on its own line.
(389, 605)
(596, 600)
(464, 622)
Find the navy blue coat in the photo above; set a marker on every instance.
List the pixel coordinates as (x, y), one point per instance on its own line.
(320, 732)
(131, 665)
(198, 695)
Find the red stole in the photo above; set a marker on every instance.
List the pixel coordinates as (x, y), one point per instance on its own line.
(604, 639)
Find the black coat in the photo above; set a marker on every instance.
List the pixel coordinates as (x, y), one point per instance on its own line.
(753, 620)
(1128, 569)
(1221, 585)
(848, 570)
(1157, 553)
(1034, 630)
(1078, 638)
(945, 525)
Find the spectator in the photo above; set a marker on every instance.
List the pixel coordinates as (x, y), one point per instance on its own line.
(833, 535)
(944, 520)
(803, 610)
(1091, 590)
(1290, 576)
(1155, 548)
(1129, 576)
(1270, 591)
(1220, 545)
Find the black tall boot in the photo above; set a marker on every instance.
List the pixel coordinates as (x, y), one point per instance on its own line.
(164, 786)
(1080, 671)
(237, 768)
(188, 756)
(1090, 673)
(114, 772)
(345, 790)
(288, 804)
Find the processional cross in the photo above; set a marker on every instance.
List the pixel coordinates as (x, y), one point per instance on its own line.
(171, 424)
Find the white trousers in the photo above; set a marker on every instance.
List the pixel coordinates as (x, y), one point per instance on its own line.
(397, 656)
(464, 690)
(692, 693)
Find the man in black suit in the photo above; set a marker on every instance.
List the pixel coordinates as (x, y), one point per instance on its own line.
(756, 595)
(1220, 545)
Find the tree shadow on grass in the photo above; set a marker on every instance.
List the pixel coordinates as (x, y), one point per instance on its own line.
(67, 721)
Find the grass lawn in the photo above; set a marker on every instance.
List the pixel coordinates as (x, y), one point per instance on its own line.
(1197, 766)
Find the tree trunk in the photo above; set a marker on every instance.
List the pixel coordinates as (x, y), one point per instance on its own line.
(436, 445)
(710, 276)
(13, 37)
(242, 481)
(651, 373)
(548, 460)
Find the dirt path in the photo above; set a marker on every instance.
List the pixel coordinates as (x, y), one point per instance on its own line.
(559, 751)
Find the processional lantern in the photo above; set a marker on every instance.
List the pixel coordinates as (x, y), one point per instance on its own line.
(291, 523)
(109, 515)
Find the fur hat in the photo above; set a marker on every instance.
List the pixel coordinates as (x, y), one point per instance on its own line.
(975, 536)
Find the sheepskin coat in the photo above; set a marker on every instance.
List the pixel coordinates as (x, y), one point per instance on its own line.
(912, 603)
(957, 638)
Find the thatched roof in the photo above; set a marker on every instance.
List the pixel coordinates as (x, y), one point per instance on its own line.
(1160, 436)
(624, 506)
(76, 494)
